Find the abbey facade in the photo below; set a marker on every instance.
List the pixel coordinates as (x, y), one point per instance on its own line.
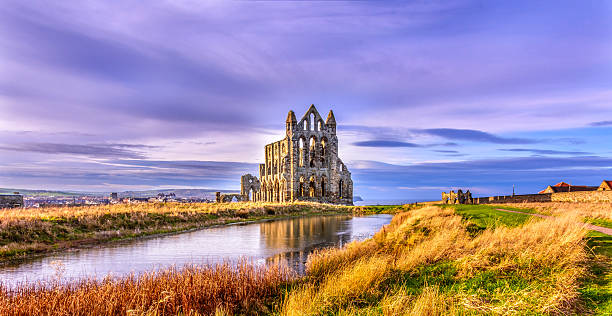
(304, 166)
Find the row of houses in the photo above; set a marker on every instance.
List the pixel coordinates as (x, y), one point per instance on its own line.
(606, 185)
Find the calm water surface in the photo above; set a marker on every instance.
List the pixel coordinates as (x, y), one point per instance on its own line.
(288, 240)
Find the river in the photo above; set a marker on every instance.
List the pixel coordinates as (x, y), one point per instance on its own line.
(284, 240)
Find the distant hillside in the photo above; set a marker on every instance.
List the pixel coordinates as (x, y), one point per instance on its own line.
(39, 192)
(181, 193)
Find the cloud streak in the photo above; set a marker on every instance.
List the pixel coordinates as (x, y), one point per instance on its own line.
(91, 150)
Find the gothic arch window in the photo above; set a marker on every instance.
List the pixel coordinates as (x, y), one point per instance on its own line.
(312, 187)
(323, 187)
(319, 125)
(313, 151)
(312, 122)
(323, 151)
(276, 192)
(340, 187)
(301, 147)
(301, 188)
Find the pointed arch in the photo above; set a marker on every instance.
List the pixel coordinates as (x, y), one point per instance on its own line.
(323, 186)
(301, 187)
(312, 145)
(312, 186)
(311, 121)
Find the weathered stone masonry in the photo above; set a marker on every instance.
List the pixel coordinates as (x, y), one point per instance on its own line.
(304, 166)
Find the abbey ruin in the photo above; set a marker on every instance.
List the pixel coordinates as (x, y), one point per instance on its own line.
(303, 166)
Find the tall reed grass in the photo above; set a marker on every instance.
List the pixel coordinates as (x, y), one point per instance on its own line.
(192, 290)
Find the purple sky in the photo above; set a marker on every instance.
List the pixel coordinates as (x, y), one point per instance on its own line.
(117, 95)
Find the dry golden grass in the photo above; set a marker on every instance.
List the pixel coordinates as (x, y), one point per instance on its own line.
(196, 290)
(532, 268)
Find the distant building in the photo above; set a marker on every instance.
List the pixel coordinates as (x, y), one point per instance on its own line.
(566, 187)
(605, 185)
(114, 196)
(11, 200)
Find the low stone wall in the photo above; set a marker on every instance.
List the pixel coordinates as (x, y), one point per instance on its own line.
(583, 196)
(580, 196)
(514, 199)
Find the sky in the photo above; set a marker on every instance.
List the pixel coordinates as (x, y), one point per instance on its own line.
(428, 95)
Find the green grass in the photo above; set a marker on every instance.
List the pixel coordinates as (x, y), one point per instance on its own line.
(379, 209)
(599, 222)
(596, 291)
(487, 216)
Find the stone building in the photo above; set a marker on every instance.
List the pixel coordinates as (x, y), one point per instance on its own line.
(303, 166)
(11, 200)
(606, 185)
(565, 187)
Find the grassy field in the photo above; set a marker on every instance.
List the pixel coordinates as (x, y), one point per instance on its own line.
(429, 261)
(24, 232)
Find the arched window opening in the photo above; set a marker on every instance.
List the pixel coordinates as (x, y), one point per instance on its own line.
(340, 185)
(312, 122)
(312, 188)
(305, 125)
(301, 189)
(319, 125)
(301, 146)
(276, 192)
(313, 151)
(323, 191)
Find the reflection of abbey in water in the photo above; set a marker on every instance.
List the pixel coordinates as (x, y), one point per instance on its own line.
(304, 166)
(300, 236)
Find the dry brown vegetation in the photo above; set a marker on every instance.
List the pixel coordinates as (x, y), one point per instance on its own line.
(27, 231)
(195, 290)
(426, 262)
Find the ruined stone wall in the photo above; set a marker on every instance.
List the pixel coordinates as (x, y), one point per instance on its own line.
(514, 199)
(304, 165)
(579, 196)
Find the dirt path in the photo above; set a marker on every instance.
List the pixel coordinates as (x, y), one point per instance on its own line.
(600, 229)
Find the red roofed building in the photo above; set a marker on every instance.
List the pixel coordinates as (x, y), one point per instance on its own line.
(566, 187)
(606, 185)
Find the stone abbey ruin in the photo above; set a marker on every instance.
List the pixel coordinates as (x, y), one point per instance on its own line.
(303, 166)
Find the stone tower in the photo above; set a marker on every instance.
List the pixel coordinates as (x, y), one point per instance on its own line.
(304, 166)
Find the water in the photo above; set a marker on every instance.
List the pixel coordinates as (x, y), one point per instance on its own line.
(285, 240)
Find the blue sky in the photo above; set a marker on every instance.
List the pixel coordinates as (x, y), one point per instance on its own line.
(428, 95)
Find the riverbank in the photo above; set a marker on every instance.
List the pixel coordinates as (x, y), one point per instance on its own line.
(29, 232)
(25, 233)
(433, 260)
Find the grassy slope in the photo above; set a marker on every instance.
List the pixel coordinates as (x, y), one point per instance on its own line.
(596, 289)
(428, 261)
(25, 232)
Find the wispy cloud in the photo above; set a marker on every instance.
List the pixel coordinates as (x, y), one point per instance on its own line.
(385, 143)
(601, 123)
(474, 136)
(547, 151)
(90, 150)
